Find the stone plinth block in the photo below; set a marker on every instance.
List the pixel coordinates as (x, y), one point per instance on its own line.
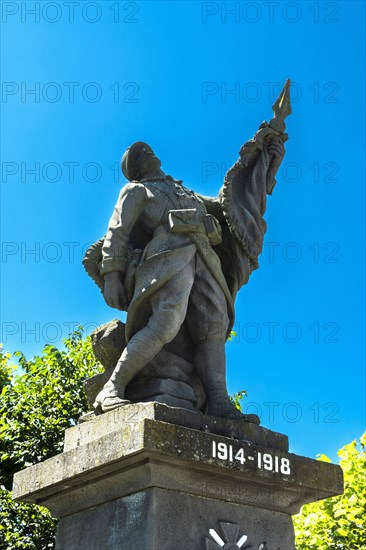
(151, 477)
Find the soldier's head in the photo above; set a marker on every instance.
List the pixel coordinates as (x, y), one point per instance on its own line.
(139, 161)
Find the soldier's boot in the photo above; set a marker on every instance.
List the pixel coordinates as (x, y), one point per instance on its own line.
(141, 349)
(210, 364)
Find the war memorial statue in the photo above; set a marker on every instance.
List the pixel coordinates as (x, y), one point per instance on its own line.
(163, 460)
(175, 260)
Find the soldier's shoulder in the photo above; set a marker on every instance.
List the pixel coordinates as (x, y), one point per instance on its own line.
(133, 187)
(173, 180)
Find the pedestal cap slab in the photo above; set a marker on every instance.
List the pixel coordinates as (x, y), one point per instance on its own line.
(146, 453)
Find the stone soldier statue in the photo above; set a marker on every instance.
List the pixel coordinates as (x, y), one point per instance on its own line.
(172, 256)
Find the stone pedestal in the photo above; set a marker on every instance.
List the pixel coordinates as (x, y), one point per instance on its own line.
(151, 477)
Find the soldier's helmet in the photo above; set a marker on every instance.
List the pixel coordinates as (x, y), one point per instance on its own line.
(133, 158)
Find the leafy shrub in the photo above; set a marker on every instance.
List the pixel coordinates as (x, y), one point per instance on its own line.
(338, 523)
(36, 407)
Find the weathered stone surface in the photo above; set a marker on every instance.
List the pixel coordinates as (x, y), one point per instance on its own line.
(143, 389)
(166, 363)
(128, 480)
(165, 370)
(169, 371)
(146, 443)
(108, 342)
(94, 384)
(172, 402)
(128, 524)
(97, 426)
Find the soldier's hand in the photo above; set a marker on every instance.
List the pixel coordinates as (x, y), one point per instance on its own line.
(114, 291)
(276, 149)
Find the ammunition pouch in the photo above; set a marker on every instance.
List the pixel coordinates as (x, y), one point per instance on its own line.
(188, 220)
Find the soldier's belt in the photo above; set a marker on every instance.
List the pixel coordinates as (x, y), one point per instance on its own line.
(189, 220)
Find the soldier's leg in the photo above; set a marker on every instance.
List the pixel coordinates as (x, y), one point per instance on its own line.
(208, 324)
(169, 307)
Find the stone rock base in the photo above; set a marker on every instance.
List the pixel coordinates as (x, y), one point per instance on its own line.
(152, 477)
(169, 378)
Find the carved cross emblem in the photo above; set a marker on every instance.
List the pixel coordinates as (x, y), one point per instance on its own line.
(229, 539)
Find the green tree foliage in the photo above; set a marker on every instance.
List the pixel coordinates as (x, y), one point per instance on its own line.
(36, 407)
(237, 398)
(6, 369)
(25, 525)
(338, 523)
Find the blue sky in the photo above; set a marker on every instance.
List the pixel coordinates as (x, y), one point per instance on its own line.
(195, 80)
